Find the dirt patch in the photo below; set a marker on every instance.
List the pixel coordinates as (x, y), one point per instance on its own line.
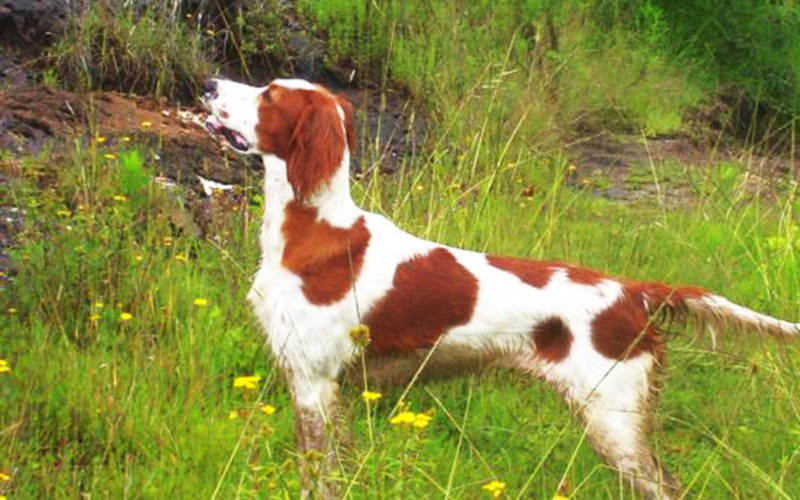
(617, 160)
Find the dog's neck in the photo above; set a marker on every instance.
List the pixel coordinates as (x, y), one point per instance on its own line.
(332, 201)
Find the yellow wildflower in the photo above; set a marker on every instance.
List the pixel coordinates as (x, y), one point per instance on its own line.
(109, 156)
(4, 366)
(200, 302)
(494, 488)
(247, 381)
(147, 124)
(138, 257)
(403, 418)
(63, 213)
(4, 477)
(233, 415)
(3, 497)
(371, 396)
(98, 305)
(167, 240)
(268, 409)
(100, 139)
(182, 258)
(94, 317)
(560, 497)
(125, 138)
(125, 316)
(572, 168)
(120, 198)
(360, 335)
(421, 420)
(11, 310)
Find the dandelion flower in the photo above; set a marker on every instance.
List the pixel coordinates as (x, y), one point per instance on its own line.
(109, 156)
(247, 381)
(268, 409)
(100, 139)
(11, 310)
(182, 258)
(233, 415)
(94, 317)
(494, 488)
(200, 302)
(125, 316)
(125, 138)
(4, 477)
(63, 213)
(147, 124)
(167, 240)
(138, 257)
(560, 497)
(4, 366)
(572, 168)
(120, 198)
(98, 305)
(371, 396)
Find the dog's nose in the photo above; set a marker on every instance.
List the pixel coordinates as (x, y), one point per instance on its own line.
(210, 86)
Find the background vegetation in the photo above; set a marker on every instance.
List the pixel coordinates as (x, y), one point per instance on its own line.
(123, 334)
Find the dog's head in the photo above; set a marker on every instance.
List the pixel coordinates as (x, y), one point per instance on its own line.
(301, 123)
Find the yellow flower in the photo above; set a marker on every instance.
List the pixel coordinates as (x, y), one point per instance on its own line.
(94, 317)
(560, 497)
(360, 335)
(125, 138)
(138, 257)
(421, 420)
(4, 367)
(125, 316)
(120, 198)
(167, 240)
(100, 139)
(371, 396)
(494, 488)
(210, 32)
(147, 124)
(4, 477)
(572, 168)
(98, 305)
(11, 310)
(109, 156)
(268, 409)
(403, 418)
(3, 497)
(64, 213)
(200, 302)
(182, 258)
(233, 415)
(247, 381)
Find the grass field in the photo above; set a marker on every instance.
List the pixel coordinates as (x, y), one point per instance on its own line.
(122, 336)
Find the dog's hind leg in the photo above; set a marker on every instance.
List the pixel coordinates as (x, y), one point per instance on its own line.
(613, 399)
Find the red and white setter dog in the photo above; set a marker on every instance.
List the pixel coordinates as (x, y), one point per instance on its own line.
(328, 266)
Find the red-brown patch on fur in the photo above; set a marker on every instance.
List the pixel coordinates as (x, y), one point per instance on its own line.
(303, 127)
(533, 272)
(327, 258)
(583, 276)
(629, 327)
(624, 330)
(430, 294)
(552, 339)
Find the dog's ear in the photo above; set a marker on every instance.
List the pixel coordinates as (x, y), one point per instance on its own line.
(315, 149)
(341, 99)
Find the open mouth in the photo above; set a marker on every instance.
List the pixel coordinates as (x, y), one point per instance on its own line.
(234, 138)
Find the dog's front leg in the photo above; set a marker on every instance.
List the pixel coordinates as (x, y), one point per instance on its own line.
(314, 398)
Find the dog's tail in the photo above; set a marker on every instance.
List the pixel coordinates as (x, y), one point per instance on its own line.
(715, 311)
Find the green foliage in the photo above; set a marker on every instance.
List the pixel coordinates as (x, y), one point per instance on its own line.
(116, 47)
